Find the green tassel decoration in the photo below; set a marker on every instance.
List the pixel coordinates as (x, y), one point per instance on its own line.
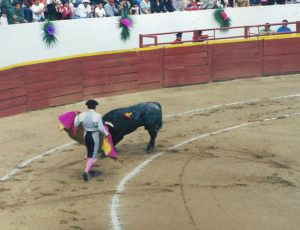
(222, 19)
(125, 23)
(49, 34)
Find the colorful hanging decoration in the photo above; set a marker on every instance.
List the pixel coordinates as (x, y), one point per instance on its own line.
(222, 19)
(49, 34)
(125, 23)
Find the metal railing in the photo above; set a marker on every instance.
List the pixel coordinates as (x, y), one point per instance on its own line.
(211, 34)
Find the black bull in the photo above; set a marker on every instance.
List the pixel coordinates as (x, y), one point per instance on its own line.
(147, 114)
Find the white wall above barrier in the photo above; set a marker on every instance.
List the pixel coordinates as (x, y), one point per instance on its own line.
(23, 43)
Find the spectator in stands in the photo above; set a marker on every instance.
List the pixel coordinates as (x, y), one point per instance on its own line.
(3, 18)
(157, 6)
(267, 30)
(145, 7)
(25, 7)
(242, 3)
(54, 11)
(100, 12)
(38, 10)
(284, 28)
(179, 5)
(255, 2)
(84, 10)
(198, 37)
(7, 5)
(168, 6)
(267, 2)
(193, 5)
(178, 39)
(67, 12)
(135, 10)
(210, 4)
(280, 2)
(124, 5)
(16, 15)
(110, 8)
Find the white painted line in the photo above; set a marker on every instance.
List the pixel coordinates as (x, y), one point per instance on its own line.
(25, 163)
(230, 104)
(17, 169)
(115, 219)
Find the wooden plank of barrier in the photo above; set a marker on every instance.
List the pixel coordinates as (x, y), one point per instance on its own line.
(279, 64)
(65, 99)
(282, 46)
(13, 110)
(11, 102)
(236, 60)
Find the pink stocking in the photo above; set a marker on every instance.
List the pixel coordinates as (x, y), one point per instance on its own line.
(89, 164)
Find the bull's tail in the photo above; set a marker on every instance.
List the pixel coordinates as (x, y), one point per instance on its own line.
(160, 124)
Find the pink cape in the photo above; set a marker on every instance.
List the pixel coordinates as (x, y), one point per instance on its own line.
(67, 120)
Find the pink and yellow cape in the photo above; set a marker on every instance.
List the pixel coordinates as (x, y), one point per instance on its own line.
(66, 122)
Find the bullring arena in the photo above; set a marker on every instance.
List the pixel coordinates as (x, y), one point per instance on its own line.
(227, 156)
(228, 161)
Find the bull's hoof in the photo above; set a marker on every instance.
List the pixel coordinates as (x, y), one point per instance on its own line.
(149, 149)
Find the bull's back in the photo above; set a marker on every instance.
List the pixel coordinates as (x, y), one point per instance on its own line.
(143, 114)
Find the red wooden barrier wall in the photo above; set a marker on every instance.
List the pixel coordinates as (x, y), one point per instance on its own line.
(61, 82)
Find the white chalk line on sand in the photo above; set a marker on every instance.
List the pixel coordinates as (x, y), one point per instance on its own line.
(121, 187)
(22, 165)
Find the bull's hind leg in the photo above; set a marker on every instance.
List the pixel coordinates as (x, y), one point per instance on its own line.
(153, 133)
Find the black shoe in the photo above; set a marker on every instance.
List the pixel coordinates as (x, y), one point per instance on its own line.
(85, 176)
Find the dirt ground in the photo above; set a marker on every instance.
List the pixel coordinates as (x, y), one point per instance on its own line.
(244, 178)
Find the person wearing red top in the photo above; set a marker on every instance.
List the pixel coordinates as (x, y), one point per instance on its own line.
(193, 5)
(66, 10)
(178, 39)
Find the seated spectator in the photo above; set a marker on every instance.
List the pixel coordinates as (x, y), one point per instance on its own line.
(179, 5)
(66, 10)
(16, 15)
(284, 28)
(135, 10)
(267, 2)
(145, 7)
(157, 6)
(209, 4)
(193, 5)
(25, 7)
(242, 3)
(267, 30)
(124, 5)
(3, 18)
(198, 37)
(110, 8)
(84, 10)
(54, 11)
(38, 10)
(168, 6)
(100, 12)
(255, 2)
(178, 39)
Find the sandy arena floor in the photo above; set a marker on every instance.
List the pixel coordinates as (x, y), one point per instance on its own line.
(246, 177)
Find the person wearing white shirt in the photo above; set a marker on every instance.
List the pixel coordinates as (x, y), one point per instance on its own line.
(100, 12)
(145, 7)
(84, 10)
(38, 9)
(3, 19)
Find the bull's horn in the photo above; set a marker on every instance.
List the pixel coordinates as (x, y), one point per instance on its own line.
(109, 123)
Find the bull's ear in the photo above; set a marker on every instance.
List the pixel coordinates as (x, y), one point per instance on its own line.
(109, 124)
